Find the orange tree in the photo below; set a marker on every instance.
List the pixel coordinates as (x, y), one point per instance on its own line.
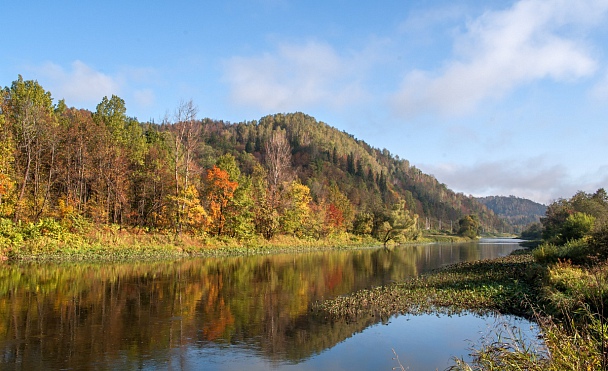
(220, 190)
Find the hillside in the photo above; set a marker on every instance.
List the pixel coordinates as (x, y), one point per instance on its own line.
(286, 174)
(516, 211)
(370, 177)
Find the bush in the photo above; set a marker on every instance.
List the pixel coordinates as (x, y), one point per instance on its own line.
(576, 251)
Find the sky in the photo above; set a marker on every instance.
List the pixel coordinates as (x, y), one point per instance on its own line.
(492, 98)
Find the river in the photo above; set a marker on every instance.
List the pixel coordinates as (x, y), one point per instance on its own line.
(249, 312)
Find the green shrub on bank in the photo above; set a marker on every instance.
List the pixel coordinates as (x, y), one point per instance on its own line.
(576, 251)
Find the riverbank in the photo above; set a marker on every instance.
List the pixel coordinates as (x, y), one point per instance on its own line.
(52, 241)
(566, 301)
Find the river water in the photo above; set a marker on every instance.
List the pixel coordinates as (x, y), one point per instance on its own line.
(233, 313)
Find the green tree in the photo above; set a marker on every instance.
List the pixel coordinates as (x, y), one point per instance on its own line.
(28, 111)
(239, 209)
(399, 225)
(265, 216)
(469, 226)
(576, 226)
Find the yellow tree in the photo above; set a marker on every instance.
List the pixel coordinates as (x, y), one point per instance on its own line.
(295, 209)
(7, 184)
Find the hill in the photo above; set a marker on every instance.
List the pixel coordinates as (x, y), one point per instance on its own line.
(518, 212)
(286, 174)
(368, 176)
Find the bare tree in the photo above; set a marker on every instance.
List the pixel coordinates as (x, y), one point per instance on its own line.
(187, 131)
(278, 160)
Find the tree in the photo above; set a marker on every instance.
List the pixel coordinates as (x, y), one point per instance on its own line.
(195, 218)
(296, 209)
(278, 161)
(400, 224)
(341, 213)
(469, 226)
(576, 226)
(265, 216)
(28, 111)
(118, 148)
(220, 190)
(239, 209)
(186, 136)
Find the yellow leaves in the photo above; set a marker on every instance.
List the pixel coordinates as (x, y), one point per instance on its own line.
(6, 188)
(191, 211)
(196, 216)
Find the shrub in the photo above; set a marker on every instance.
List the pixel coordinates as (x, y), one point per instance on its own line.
(576, 251)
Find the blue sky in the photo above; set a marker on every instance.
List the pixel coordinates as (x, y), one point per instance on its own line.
(493, 97)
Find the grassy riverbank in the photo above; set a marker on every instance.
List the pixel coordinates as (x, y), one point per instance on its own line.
(108, 243)
(567, 302)
(82, 240)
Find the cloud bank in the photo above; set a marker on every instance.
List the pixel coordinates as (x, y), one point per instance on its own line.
(501, 50)
(534, 178)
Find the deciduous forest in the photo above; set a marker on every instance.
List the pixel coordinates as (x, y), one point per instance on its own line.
(285, 174)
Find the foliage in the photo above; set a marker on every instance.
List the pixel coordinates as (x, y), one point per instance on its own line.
(533, 232)
(468, 226)
(575, 229)
(576, 226)
(399, 225)
(283, 174)
(576, 251)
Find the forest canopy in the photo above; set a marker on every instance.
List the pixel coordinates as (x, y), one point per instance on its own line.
(285, 174)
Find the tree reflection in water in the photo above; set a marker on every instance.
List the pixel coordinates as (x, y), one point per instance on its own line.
(129, 315)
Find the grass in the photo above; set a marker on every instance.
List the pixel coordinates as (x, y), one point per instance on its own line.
(56, 243)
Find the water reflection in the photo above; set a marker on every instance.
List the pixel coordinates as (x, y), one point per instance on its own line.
(138, 315)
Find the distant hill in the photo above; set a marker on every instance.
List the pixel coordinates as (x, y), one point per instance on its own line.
(517, 211)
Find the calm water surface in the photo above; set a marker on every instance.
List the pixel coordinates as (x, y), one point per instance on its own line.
(228, 313)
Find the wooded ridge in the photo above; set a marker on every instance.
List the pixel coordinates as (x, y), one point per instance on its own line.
(284, 174)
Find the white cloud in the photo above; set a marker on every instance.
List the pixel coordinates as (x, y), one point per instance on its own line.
(295, 77)
(500, 50)
(81, 85)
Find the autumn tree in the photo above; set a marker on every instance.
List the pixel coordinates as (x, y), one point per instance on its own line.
(75, 167)
(7, 183)
(239, 209)
(220, 191)
(186, 130)
(118, 148)
(340, 210)
(28, 111)
(295, 210)
(265, 215)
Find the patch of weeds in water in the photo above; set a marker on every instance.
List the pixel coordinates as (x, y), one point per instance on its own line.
(504, 285)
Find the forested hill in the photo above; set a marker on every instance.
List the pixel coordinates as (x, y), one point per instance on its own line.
(284, 174)
(518, 211)
(371, 178)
